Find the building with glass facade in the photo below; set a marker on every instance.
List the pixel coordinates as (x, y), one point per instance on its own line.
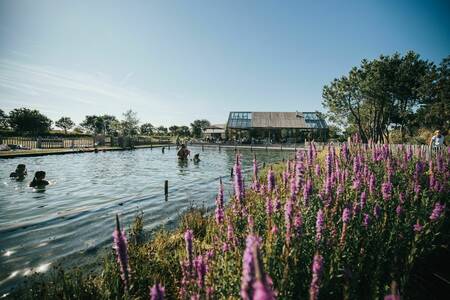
(276, 127)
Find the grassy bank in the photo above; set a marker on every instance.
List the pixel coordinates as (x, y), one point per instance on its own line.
(350, 223)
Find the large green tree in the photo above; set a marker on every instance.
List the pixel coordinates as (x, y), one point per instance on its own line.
(105, 124)
(24, 120)
(130, 123)
(3, 120)
(147, 129)
(378, 95)
(65, 123)
(435, 110)
(198, 126)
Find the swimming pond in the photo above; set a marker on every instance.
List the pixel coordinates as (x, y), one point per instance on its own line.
(73, 217)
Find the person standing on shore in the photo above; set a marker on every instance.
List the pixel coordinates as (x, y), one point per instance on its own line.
(437, 140)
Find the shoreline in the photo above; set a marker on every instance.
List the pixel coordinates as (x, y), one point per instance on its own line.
(61, 151)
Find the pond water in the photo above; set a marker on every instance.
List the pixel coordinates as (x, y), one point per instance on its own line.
(74, 216)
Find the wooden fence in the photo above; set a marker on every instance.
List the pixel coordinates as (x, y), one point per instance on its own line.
(81, 142)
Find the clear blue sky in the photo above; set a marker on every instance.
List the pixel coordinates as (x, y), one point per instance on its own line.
(175, 61)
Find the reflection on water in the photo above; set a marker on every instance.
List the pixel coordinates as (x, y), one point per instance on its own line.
(74, 215)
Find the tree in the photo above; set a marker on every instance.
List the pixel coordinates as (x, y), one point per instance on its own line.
(105, 124)
(378, 95)
(435, 110)
(173, 129)
(198, 126)
(161, 130)
(147, 129)
(65, 123)
(130, 123)
(3, 120)
(24, 120)
(183, 131)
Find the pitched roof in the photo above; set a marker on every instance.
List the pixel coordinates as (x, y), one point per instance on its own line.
(296, 120)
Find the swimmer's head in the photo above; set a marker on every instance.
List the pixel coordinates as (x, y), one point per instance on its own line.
(20, 169)
(183, 146)
(197, 156)
(39, 175)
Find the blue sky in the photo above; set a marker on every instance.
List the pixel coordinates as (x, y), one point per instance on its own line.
(175, 61)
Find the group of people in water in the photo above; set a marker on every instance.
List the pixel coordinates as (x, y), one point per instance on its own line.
(38, 180)
(184, 152)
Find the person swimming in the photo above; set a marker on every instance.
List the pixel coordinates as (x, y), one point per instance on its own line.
(38, 180)
(19, 173)
(196, 158)
(183, 153)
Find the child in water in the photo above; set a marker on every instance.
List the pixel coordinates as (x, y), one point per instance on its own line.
(38, 180)
(19, 173)
(196, 158)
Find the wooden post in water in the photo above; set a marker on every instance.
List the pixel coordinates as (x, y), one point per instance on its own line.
(264, 164)
(231, 173)
(166, 189)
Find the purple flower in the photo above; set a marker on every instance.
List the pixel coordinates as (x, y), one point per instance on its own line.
(248, 267)
(269, 206)
(372, 183)
(317, 269)
(329, 163)
(307, 191)
(437, 211)
(219, 214)
(298, 222)
(188, 236)
(366, 220)
(157, 292)
(274, 230)
(300, 173)
(363, 200)
(417, 227)
(200, 268)
(238, 181)
(230, 233)
(386, 190)
(346, 215)
(255, 168)
(377, 211)
(319, 225)
(120, 244)
(288, 217)
(317, 170)
(270, 180)
(262, 284)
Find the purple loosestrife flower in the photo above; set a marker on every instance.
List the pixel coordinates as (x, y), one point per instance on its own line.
(366, 220)
(270, 180)
(377, 211)
(437, 211)
(386, 190)
(248, 267)
(200, 268)
(157, 292)
(346, 214)
(277, 203)
(188, 236)
(262, 284)
(372, 183)
(251, 222)
(363, 200)
(356, 184)
(317, 170)
(274, 230)
(230, 234)
(269, 207)
(120, 244)
(255, 168)
(293, 186)
(417, 227)
(319, 225)
(288, 217)
(307, 191)
(238, 183)
(329, 163)
(299, 173)
(219, 214)
(317, 269)
(298, 223)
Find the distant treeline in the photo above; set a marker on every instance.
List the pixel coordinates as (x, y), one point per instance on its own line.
(31, 122)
